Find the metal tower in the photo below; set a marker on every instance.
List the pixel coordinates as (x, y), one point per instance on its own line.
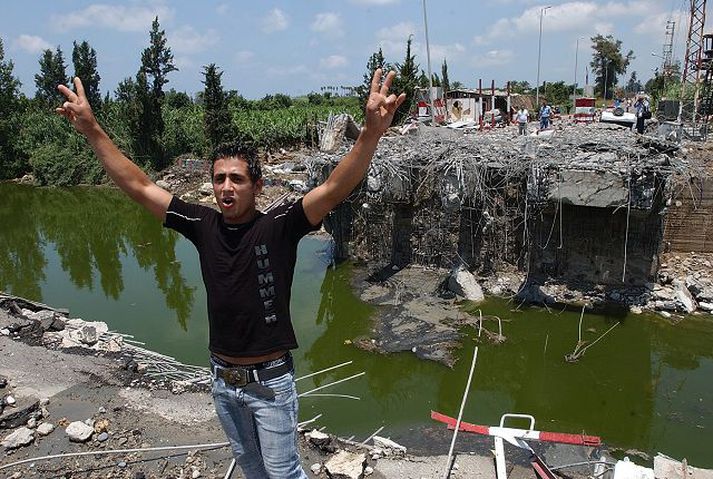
(694, 72)
(667, 53)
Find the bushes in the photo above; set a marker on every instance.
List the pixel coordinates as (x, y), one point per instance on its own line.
(56, 154)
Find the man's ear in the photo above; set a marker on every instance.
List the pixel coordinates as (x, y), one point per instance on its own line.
(258, 186)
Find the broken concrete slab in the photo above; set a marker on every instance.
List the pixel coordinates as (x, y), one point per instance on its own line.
(346, 465)
(18, 438)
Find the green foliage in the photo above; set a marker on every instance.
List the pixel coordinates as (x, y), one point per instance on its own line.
(53, 72)
(217, 121)
(12, 162)
(633, 85)
(157, 59)
(156, 64)
(272, 129)
(406, 82)
(177, 99)
(557, 93)
(444, 76)
(668, 85)
(57, 155)
(185, 132)
(84, 58)
(376, 61)
(521, 87)
(608, 62)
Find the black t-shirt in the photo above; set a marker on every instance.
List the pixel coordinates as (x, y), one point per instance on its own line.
(247, 270)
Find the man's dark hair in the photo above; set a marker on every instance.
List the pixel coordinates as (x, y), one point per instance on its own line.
(237, 149)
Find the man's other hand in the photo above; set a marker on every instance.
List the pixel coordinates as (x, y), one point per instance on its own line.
(77, 109)
(381, 106)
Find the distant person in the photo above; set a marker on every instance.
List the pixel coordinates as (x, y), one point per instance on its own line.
(247, 260)
(521, 118)
(643, 112)
(545, 114)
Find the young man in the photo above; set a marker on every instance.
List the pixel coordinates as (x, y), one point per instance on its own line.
(247, 261)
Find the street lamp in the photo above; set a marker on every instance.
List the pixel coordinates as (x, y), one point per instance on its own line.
(539, 57)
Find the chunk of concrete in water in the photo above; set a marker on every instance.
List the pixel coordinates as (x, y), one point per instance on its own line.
(463, 283)
(684, 297)
(389, 447)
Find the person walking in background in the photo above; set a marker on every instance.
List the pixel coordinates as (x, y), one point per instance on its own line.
(521, 117)
(247, 260)
(643, 112)
(545, 113)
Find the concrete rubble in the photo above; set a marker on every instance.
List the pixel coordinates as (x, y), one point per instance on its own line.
(577, 215)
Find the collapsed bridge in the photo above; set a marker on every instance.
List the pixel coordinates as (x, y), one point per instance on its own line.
(578, 204)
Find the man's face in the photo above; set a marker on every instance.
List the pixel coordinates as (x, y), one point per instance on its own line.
(234, 190)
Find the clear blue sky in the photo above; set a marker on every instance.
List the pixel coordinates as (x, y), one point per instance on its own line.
(297, 46)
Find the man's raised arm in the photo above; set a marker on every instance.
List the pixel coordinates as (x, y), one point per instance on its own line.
(380, 109)
(127, 176)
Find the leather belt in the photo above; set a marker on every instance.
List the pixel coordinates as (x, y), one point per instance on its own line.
(240, 376)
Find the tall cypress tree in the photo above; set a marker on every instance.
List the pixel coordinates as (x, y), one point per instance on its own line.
(11, 162)
(376, 61)
(156, 64)
(444, 77)
(53, 72)
(84, 58)
(217, 121)
(406, 81)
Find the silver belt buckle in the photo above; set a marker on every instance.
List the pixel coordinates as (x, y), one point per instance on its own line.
(236, 376)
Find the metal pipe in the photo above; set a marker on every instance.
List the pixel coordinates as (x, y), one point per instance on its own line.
(460, 413)
(331, 384)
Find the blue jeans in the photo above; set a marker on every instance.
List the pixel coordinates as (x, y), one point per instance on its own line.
(544, 122)
(262, 432)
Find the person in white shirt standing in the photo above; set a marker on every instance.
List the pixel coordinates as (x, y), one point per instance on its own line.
(521, 117)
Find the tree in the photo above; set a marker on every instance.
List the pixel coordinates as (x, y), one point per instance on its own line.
(156, 64)
(444, 77)
(376, 61)
(456, 85)
(53, 72)
(12, 162)
(177, 99)
(557, 93)
(217, 121)
(633, 85)
(84, 59)
(608, 62)
(664, 85)
(520, 87)
(406, 82)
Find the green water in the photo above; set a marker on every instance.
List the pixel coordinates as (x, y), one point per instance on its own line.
(647, 385)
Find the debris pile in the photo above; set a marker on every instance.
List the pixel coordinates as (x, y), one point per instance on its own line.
(582, 206)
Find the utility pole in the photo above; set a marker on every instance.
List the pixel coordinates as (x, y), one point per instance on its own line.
(428, 57)
(574, 90)
(539, 57)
